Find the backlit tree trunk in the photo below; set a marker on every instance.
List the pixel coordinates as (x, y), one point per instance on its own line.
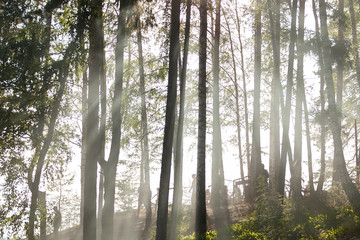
(200, 219)
(178, 163)
(162, 214)
(93, 147)
(285, 147)
(256, 147)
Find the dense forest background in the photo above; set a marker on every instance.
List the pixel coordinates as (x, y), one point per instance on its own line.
(201, 119)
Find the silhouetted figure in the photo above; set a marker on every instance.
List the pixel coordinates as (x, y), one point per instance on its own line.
(141, 199)
(57, 221)
(237, 193)
(264, 173)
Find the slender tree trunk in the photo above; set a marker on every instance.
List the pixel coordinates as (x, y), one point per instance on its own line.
(339, 55)
(39, 135)
(256, 147)
(84, 89)
(34, 185)
(308, 141)
(102, 132)
(162, 214)
(200, 219)
(144, 127)
(355, 43)
(322, 102)
(110, 167)
(237, 104)
(298, 111)
(218, 195)
(178, 163)
(93, 147)
(350, 189)
(83, 139)
(244, 93)
(275, 92)
(285, 148)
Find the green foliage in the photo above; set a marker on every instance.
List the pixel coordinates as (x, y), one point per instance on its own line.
(210, 235)
(245, 231)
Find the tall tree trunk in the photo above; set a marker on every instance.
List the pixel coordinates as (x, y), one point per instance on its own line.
(256, 146)
(178, 163)
(102, 131)
(40, 129)
(218, 194)
(93, 147)
(350, 189)
(237, 104)
(339, 57)
(200, 219)
(322, 102)
(244, 92)
(355, 45)
(83, 139)
(84, 89)
(285, 148)
(162, 214)
(308, 141)
(275, 92)
(144, 127)
(298, 111)
(110, 167)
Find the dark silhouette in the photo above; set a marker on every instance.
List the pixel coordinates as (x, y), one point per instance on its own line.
(57, 221)
(141, 200)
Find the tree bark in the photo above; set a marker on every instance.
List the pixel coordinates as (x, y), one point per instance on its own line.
(298, 111)
(237, 104)
(178, 163)
(244, 92)
(218, 194)
(110, 167)
(162, 215)
(200, 219)
(322, 102)
(144, 127)
(308, 141)
(275, 92)
(285, 148)
(256, 146)
(93, 147)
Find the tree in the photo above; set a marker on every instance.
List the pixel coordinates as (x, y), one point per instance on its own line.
(275, 92)
(346, 182)
(144, 127)
(109, 167)
(162, 215)
(322, 101)
(178, 162)
(92, 148)
(299, 110)
(218, 192)
(256, 146)
(340, 59)
(200, 217)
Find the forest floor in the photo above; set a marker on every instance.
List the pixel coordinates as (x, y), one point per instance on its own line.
(130, 227)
